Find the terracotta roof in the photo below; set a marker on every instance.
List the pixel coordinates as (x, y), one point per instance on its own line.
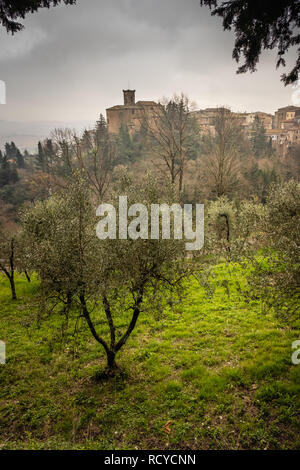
(118, 106)
(146, 103)
(262, 113)
(288, 108)
(133, 106)
(122, 106)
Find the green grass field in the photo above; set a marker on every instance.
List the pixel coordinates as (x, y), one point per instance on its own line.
(210, 373)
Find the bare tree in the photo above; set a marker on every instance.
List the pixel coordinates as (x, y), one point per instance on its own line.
(96, 157)
(65, 143)
(221, 149)
(93, 155)
(172, 131)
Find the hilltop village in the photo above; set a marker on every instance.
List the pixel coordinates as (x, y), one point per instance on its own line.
(282, 128)
(206, 153)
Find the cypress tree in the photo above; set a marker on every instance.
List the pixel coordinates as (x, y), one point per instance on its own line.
(259, 140)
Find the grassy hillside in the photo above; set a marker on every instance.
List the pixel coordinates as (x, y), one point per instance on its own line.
(209, 373)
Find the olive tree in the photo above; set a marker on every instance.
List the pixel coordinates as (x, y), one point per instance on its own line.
(232, 227)
(12, 256)
(99, 280)
(8, 247)
(232, 234)
(277, 275)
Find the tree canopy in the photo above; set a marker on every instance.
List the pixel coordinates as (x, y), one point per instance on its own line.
(10, 11)
(80, 272)
(259, 25)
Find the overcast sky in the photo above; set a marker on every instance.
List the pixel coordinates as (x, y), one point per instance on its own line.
(72, 62)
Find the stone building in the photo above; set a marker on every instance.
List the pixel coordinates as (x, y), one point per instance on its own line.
(283, 128)
(278, 136)
(206, 118)
(286, 128)
(130, 114)
(285, 114)
(265, 118)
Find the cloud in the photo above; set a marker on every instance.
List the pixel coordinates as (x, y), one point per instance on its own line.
(20, 45)
(71, 62)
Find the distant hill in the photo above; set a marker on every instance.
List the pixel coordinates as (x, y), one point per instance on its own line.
(27, 134)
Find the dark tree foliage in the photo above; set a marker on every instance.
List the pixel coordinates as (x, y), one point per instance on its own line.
(8, 172)
(101, 129)
(259, 181)
(259, 140)
(125, 146)
(40, 158)
(13, 153)
(11, 11)
(45, 156)
(258, 25)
